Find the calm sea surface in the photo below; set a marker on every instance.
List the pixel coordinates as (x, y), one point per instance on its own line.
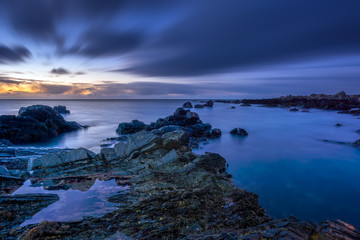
(283, 160)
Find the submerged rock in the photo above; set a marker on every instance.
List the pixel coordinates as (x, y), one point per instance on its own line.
(132, 127)
(294, 110)
(34, 123)
(239, 132)
(199, 106)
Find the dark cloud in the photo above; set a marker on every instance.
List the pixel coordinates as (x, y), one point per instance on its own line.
(12, 55)
(221, 36)
(54, 89)
(80, 73)
(94, 44)
(60, 71)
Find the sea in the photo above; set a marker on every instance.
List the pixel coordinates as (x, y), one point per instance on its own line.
(284, 159)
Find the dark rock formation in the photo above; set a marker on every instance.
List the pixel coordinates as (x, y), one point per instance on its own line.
(294, 110)
(132, 127)
(215, 133)
(338, 125)
(209, 103)
(34, 123)
(61, 109)
(15, 209)
(181, 119)
(239, 132)
(199, 106)
(187, 105)
(339, 101)
(176, 194)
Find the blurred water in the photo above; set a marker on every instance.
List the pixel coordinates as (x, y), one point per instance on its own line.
(283, 160)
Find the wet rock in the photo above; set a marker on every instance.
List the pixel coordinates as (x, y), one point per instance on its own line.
(209, 103)
(34, 123)
(66, 163)
(15, 209)
(239, 132)
(356, 144)
(245, 105)
(294, 110)
(187, 105)
(215, 133)
(338, 125)
(175, 139)
(305, 110)
(132, 127)
(5, 143)
(232, 107)
(61, 109)
(199, 106)
(4, 171)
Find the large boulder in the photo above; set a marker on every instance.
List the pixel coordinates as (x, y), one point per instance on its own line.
(34, 123)
(132, 127)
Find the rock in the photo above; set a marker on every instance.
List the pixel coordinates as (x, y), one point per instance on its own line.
(356, 144)
(232, 107)
(34, 123)
(15, 209)
(305, 111)
(175, 139)
(199, 106)
(66, 163)
(339, 101)
(5, 143)
(61, 109)
(215, 133)
(187, 105)
(132, 127)
(294, 110)
(338, 125)
(239, 132)
(139, 140)
(4, 171)
(245, 105)
(209, 103)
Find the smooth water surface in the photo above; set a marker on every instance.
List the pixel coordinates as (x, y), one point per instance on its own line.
(283, 160)
(74, 204)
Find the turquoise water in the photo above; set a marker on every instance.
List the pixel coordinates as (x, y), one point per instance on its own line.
(283, 160)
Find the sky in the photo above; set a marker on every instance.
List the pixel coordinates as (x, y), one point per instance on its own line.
(178, 48)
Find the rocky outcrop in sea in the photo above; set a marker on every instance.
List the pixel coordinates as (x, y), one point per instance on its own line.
(34, 123)
(181, 119)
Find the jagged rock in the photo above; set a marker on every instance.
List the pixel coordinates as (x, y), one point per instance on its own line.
(61, 109)
(356, 144)
(239, 132)
(132, 127)
(5, 143)
(4, 171)
(66, 163)
(34, 123)
(187, 105)
(175, 139)
(15, 209)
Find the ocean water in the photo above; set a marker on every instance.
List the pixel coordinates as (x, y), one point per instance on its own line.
(284, 159)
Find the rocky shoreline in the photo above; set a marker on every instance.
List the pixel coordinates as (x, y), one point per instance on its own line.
(345, 104)
(172, 193)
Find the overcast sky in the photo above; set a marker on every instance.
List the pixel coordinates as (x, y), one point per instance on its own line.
(178, 48)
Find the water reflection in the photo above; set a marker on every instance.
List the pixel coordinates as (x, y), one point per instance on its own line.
(75, 204)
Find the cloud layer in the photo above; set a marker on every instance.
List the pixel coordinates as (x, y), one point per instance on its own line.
(182, 39)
